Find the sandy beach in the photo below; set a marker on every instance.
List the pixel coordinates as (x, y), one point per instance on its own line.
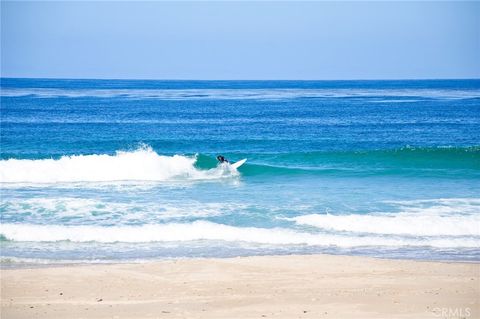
(317, 286)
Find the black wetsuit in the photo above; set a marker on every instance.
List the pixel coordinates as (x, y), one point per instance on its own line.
(222, 159)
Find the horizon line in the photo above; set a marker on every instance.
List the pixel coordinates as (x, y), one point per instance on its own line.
(226, 80)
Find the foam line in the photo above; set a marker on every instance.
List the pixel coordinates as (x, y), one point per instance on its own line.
(411, 224)
(204, 230)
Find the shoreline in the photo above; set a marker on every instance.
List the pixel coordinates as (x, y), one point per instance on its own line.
(45, 263)
(291, 286)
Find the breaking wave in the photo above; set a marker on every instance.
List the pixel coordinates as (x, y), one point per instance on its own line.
(205, 230)
(397, 224)
(143, 164)
(452, 217)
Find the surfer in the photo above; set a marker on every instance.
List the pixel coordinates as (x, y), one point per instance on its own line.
(222, 159)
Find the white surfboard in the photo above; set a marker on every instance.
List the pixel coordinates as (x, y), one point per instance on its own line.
(238, 164)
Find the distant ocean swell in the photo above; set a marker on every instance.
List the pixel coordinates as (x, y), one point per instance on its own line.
(242, 94)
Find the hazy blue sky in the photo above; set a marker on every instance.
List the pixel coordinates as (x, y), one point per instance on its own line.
(233, 40)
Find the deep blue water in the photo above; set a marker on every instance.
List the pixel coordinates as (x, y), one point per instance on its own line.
(102, 170)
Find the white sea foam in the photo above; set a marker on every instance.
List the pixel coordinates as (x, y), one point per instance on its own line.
(204, 230)
(439, 205)
(141, 165)
(400, 224)
(438, 217)
(98, 212)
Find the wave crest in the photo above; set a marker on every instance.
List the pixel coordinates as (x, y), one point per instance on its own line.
(143, 164)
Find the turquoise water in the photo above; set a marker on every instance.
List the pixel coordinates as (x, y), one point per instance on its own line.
(115, 170)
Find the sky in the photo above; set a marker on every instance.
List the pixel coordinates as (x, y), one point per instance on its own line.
(240, 40)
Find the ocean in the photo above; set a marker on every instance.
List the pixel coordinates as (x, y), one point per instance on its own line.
(102, 171)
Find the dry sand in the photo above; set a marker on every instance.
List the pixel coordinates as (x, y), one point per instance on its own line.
(319, 286)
